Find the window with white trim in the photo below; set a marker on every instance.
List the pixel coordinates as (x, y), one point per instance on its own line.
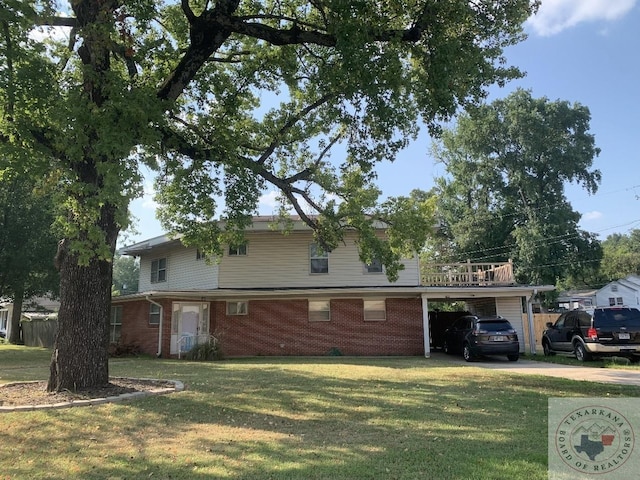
(115, 323)
(159, 270)
(614, 288)
(319, 259)
(154, 314)
(612, 302)
(375, 310)
(319, 310)
(238, 308)
(239, 250)
(374, 267)
(619, 301)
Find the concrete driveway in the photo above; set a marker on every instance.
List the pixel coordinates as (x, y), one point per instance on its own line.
(589, 374)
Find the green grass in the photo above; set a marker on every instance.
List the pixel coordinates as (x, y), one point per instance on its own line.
(293, 418)
(570, 359)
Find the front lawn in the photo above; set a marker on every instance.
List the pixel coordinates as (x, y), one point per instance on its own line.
(570, 359)
(293, 418)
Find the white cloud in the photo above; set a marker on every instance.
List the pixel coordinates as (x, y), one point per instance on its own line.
(268, 203)
(557, 15)
(594, 215)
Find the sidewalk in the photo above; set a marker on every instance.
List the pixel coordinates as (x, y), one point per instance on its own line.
(589, 374)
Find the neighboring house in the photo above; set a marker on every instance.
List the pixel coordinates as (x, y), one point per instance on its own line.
(577, 299)
(281, 295)
(31, 308)
(625, 291)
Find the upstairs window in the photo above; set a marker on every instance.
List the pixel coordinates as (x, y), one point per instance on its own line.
(159, 270)
(239, 250)
(319, 259)
(374, 267)
(614, 288)
(612, 302)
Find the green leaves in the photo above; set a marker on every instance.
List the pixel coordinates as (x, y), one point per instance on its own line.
(27, 244)
(230, 98)
(508, 163)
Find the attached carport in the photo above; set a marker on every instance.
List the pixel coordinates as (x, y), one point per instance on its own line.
(506, 301)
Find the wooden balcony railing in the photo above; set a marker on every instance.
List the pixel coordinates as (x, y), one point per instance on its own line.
(468, 274)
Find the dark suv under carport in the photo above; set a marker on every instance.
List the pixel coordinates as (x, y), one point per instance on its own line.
(474, 336)
(602, 331)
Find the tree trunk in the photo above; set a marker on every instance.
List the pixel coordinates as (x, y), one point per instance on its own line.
(16, 314)
(80, 356)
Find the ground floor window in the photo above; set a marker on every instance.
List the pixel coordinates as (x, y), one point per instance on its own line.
(375, 310)
(115, 325)
(237, 308)
(154, 314)
(319, 310)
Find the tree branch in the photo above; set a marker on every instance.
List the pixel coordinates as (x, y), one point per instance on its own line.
(57, 21)
(212, 28)
(207, 33)
(289, 124)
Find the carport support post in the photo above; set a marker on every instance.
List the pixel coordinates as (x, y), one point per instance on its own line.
(532, 333)
(425, 325)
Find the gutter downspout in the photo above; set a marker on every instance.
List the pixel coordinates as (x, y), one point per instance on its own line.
(532, 337)
(148, 299)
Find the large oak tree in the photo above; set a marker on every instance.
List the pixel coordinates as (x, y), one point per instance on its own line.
(224, 99)
(507, 165)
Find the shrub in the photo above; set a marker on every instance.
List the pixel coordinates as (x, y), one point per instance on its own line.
(205, 351)
(124, 350)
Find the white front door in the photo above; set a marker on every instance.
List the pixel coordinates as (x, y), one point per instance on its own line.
(189, 326)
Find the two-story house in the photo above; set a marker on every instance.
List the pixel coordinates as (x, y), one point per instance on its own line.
(280, 294)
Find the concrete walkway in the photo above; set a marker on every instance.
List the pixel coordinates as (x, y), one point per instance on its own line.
(589, 374)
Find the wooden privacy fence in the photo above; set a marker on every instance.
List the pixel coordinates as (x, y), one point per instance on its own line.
(39, 330)
(539, 324)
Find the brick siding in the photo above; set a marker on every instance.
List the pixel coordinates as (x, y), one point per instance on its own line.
(136, 329)
(281, 327)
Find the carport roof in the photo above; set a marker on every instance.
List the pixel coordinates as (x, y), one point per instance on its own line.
(485, 291)
(344, 292)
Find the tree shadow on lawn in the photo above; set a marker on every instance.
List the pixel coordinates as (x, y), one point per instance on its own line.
(287, 423)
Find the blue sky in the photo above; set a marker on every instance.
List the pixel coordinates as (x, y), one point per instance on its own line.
(583, 51)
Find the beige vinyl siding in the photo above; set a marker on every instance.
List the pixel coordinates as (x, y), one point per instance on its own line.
(184, 272)
(481, 306)
(511, 309)
(275, 260)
